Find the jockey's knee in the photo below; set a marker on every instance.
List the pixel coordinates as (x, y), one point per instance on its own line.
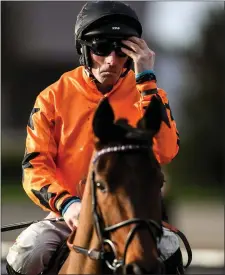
(34, 247)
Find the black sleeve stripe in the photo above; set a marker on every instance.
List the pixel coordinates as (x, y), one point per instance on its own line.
(163, 111)
(26, 161)
(168, 107)
(44, 196)
(61, 196)
(178, 142)
(149, 92)
(30, 121)
(27, 158)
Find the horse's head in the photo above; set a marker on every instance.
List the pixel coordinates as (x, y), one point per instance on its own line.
(126, 183)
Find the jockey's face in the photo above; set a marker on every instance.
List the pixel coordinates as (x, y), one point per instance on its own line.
(107, 69)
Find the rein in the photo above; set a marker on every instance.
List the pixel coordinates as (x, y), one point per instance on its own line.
(153, 227)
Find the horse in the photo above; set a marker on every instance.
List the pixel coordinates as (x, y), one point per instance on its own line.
(120, 218)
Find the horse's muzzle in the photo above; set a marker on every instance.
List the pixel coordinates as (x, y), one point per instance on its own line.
(132, 268)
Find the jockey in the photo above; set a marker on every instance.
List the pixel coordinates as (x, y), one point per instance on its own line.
(59, 143)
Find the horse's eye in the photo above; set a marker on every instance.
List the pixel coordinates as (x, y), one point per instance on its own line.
(101, 186)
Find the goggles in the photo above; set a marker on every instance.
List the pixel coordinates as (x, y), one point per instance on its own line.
(103, 47)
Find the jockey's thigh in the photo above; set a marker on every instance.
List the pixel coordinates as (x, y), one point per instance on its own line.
(31, 252)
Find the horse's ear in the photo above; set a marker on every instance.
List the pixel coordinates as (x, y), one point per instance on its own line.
(153, 116)
(103, 120)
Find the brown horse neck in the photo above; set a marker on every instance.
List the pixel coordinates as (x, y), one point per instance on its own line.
(84, 236)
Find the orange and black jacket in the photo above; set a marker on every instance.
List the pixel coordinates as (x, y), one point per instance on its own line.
(59, 143)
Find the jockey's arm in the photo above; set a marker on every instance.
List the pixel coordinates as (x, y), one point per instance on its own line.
(166, 142)
(39, 167)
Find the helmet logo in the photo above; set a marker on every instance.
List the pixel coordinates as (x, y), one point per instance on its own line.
(115, 28)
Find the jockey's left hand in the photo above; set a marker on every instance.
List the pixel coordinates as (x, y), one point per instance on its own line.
(143, 57)
(71, 216)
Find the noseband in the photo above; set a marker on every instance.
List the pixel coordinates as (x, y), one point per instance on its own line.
(111, 258)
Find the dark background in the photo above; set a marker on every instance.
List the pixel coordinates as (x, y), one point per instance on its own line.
(38, 46)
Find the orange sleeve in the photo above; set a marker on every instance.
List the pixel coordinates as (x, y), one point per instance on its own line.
(39, 168)
(166, 142)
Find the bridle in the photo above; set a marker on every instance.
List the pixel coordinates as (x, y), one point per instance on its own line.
(152, 226)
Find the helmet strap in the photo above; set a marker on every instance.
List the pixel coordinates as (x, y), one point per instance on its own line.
(85, 58)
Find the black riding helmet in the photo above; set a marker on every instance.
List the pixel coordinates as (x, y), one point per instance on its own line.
(108, 19)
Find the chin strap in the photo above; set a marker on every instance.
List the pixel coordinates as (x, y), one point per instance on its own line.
(90, 74)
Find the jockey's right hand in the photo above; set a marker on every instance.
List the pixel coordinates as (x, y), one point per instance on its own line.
(71, 215)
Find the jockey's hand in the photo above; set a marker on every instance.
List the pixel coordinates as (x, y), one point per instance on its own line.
(143, 57)
(71, 216)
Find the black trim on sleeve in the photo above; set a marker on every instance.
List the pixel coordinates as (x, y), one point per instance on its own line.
(44, 196)
(30, 121)
(61, 196)
(26, 161)
(146, 77)
(168, 107)
(63, 205)
(27, 158)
